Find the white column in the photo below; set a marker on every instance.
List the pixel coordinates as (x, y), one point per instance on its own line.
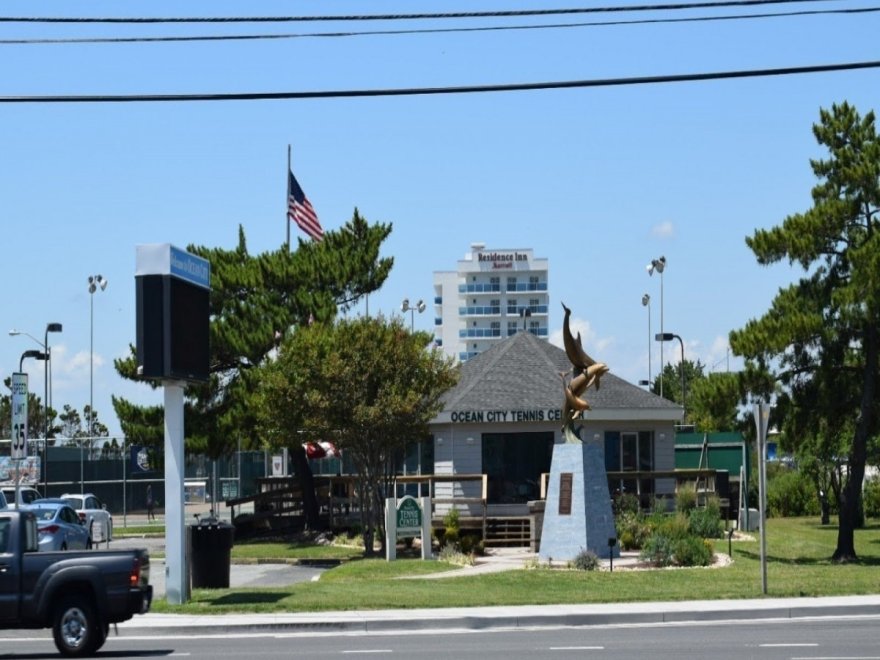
(426, 528)
(390, 529)
(175, 537)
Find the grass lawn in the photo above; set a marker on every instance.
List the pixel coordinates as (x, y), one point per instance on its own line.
(798, 564)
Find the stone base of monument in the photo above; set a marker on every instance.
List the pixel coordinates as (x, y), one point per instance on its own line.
(577, 514)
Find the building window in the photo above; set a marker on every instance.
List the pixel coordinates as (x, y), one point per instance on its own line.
(534, 327)
(512, 328)
(511, 306)
(511, 284)
(513, 463)
(630, 452)
(495, 326)
(495, 282)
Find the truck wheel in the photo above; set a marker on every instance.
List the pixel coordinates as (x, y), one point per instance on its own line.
(74, 627)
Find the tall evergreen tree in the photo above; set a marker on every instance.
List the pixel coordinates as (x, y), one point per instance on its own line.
(822, 331)
(255, 301)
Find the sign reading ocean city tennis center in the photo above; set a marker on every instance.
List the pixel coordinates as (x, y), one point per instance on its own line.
(409, 517)
(492, 416)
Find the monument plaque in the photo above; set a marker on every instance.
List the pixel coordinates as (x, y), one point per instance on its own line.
(565, 481)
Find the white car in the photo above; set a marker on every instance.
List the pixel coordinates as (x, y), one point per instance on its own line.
(92, 511)
(26, 494)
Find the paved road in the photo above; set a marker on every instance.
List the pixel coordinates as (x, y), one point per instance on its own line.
(829, 638)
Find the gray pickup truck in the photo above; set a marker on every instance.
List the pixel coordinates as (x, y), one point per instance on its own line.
(77, 594)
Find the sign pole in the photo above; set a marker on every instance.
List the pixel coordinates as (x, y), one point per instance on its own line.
(761, 412)
(175, 556)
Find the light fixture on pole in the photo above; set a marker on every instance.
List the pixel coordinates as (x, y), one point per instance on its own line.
(646, 302)
(37, 355)
(659, 265)
(669, 336)
(47, 394)
(95, 282)
(525, 313)
(19, 410)
(406, 307)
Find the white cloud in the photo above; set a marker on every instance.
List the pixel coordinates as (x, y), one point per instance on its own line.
(663, 230)
(592, 344)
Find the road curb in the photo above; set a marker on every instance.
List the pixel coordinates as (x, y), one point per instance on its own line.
(484, 618)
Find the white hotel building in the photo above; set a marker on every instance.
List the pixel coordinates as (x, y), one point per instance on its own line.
(492, 295)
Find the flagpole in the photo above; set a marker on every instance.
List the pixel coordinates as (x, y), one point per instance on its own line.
(287, 200)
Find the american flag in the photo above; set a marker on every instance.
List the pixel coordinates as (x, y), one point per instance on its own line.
(299, 209)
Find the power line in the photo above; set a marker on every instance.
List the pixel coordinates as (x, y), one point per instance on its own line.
(423, 91)
(495, 28)
(396, 17)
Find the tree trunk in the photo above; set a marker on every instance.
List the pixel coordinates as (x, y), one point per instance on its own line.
(307, 485)
(852, 492)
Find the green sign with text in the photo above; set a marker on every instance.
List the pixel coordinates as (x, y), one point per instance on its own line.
(409, 515)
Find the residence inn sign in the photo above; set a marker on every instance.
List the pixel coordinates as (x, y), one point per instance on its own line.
(502, 260)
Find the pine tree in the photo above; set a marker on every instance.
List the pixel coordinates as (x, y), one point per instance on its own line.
(822, 331)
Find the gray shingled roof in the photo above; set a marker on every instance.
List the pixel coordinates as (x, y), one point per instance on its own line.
(522, 371)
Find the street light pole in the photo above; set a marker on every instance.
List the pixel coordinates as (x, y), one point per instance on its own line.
(406, 307)
(659, 265)
(646, 302)
(95, 281)
(669, 336)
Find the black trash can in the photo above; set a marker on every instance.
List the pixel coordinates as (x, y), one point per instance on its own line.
(210, 542)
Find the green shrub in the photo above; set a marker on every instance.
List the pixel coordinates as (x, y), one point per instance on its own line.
(632, 530)
(871, 497)
(705, 522)
(626, 503)
(451, 538)
(451, 529)
(658, 550)
(791, 493)
(685, 500)
(692, 551)
(586, 560)
(471, 544)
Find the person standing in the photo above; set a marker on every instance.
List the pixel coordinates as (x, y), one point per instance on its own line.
(151, 515)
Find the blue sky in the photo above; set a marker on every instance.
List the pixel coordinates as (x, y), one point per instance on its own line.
(597, 180)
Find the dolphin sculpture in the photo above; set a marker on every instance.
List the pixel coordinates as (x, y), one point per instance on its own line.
(573, 347)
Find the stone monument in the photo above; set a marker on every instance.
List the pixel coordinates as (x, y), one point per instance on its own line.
(577, 512)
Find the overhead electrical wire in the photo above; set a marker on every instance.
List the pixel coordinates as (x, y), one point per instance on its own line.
(422, 91)
(397, 17)
(494, 28)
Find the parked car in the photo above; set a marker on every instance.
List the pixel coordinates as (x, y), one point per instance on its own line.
(77, 594)
(26, 494)
(58, 525)
(91, 510)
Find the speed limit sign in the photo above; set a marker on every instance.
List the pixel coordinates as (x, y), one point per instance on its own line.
(19, 416)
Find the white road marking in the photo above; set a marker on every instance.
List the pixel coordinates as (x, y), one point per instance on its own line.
(370, 651)
(577, 648)
(785, 645)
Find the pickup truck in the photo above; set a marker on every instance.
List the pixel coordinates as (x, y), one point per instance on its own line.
(76, 594)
